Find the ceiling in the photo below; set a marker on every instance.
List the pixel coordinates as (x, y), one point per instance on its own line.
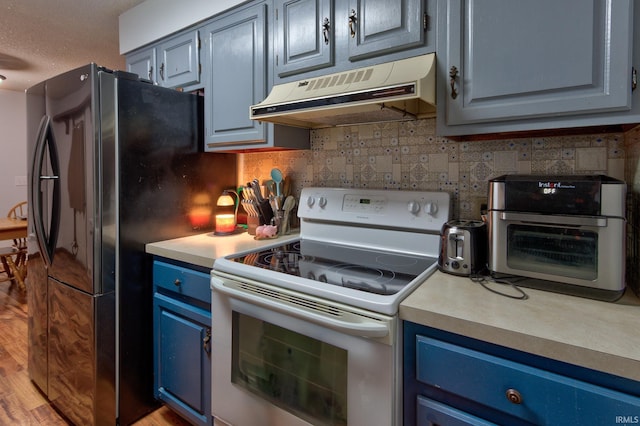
(42, 38)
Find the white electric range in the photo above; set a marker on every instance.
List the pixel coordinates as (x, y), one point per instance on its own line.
(307, 332)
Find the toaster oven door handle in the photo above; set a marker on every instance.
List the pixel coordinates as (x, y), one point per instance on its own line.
(600, 222)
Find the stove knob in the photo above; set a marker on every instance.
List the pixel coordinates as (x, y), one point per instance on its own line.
(414, 207)
(322, 202)
(431, 208)
(311, 201)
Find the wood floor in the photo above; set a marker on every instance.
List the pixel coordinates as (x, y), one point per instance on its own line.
(20, 401)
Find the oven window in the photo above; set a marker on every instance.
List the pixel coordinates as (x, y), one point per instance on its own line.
(565, 252)
(302, 375)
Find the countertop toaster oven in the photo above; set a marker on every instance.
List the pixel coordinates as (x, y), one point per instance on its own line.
(560, 233)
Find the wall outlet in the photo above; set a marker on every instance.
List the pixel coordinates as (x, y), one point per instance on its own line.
(20, 180)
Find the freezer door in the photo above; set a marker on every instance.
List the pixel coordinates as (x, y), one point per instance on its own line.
(81, 355)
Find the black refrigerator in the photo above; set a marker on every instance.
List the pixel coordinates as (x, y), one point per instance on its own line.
(113, 163)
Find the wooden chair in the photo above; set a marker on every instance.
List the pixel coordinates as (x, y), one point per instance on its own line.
(14, 259)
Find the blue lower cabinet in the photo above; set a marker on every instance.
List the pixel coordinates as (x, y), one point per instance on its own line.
(454, 380)
(182, 335)
(430, 413)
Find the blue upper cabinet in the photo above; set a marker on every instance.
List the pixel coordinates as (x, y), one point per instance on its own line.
(143, 63)
(314, 37)
(238, 64)
(237, 73)
(306, 30)
(513, 61)
(379, 27)
(173, 62)
(179, 62)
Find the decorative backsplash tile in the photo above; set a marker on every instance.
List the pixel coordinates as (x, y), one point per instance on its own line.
(409, 155)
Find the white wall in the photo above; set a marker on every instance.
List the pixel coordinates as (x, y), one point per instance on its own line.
(155, 19)
(13, 148)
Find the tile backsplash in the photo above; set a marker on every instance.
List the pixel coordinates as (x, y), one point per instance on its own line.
(409, 155)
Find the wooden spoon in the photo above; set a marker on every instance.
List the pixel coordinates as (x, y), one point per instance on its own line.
(289, 204)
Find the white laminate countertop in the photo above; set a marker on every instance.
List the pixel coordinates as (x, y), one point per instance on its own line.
(203, 249)
(603, 336)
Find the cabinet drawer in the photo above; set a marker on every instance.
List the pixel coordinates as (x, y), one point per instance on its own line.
(531, 394)
(430, 412)
(182, 281)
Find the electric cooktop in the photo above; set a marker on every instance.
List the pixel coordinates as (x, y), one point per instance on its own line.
(369, 270)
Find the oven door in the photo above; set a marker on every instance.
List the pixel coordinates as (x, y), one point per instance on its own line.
(583, 251)
(284, 358)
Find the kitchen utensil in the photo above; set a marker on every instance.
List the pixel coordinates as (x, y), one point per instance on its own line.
(271, 187)
(246, 202)
(250, 208)
(289, 204)
(286, 186)
(463, 247)
(266, 213)
(257, 191)
(262, 206)
(276, 175)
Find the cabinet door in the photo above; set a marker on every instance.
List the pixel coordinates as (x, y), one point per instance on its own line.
(182, 358)
(383, 26)
(304, 34)
(237, 78)
(180, 60)
(522, 59)
(143, 63)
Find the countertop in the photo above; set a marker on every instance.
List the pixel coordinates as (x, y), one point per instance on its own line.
(602, 336)
(599, 335)
(203, 249)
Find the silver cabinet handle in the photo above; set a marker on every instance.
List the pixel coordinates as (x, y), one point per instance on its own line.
(326, 26)
(453, 73)
(353, 20)
(150, 72)
(162, 71)
(206, 341)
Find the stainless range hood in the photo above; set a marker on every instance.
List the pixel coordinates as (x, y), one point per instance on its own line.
(393, 91)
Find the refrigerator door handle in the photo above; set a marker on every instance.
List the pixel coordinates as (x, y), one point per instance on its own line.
(46, 243)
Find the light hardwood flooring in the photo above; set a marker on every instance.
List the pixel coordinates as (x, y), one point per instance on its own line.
(20, 401)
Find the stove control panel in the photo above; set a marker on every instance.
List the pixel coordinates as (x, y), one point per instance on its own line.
(387, 208)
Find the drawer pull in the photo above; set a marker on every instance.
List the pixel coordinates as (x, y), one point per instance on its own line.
(514, 396)
(177, 282)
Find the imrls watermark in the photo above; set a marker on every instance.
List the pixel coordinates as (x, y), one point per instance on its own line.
(627, 420)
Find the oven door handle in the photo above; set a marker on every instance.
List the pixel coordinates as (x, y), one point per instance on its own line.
(353, 328)
(600, 222)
